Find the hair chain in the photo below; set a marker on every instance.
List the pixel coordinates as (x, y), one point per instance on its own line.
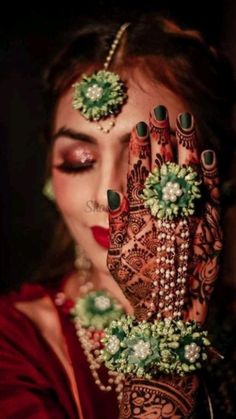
(114, 45)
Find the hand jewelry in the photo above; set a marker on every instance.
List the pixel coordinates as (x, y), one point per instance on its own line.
(171, 190)
(147, 349)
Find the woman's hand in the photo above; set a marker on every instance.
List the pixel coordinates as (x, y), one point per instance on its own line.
(145, 254)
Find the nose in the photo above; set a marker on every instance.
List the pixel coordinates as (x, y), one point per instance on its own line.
(112, 175)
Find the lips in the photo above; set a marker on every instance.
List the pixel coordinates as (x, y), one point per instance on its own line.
(101, 235)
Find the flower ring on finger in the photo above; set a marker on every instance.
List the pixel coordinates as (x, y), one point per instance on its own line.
(171, 190)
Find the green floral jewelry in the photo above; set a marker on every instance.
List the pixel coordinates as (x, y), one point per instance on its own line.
(97, 309)
(103, 93)
(171, 190)
(48, 190)
(91, 314)
(99, 95)
(145, 349)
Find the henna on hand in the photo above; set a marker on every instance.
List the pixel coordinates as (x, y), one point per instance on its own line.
(151, 260)
(145, 255)
(207, 246)
(163, 398)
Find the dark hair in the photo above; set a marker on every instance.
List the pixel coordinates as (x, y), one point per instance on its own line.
(178, 58)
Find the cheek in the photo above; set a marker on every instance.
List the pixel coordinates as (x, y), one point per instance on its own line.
(70, 196)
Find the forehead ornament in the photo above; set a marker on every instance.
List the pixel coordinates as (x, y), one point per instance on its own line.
(102, 94)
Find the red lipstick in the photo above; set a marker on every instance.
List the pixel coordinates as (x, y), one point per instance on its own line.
(101, 235)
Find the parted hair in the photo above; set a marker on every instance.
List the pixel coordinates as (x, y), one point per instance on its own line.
(178, 58)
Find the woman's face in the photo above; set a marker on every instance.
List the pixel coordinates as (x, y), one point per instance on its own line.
(86, 166)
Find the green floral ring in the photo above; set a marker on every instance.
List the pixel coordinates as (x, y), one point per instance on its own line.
(171, 190)
(99, 95)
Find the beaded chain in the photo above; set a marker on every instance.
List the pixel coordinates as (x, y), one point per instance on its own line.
(168, 293)
(90, 340)
(90, 337)
(106, 64)
(114, 45)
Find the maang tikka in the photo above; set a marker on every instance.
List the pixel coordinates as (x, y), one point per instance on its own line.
(102, 94)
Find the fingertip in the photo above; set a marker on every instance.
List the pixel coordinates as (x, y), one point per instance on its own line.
(113, 199)
(185, 121)
(141, 129)
(208, 158)
(160, 113)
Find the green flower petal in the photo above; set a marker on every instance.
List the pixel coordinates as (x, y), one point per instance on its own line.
(171, 191)
(99, 95)
(168, 341)
(97, 309)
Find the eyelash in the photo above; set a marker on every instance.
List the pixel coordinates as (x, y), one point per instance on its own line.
(73, 169)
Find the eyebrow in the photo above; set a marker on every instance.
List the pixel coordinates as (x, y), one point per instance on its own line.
(73, 135)
(81, 136)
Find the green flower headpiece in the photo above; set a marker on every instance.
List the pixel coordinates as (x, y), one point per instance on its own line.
(100, 95)
(171, 190)
(145, 349)
(97, 309)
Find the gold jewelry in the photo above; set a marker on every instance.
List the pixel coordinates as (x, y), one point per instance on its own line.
(102, 94)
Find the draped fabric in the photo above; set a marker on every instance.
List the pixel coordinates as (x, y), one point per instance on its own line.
(34, 383)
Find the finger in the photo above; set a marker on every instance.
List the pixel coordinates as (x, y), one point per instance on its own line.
(161, 149)
(118, 220)
(210, 175)
(186, 140)
(139, 163)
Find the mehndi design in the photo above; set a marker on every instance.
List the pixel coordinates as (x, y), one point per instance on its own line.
(142, 260)
(166, 269)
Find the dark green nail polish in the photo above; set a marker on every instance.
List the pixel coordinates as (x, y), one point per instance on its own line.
(141, 128)
(185, 120)
(160, 113)
(113, 199)
(208, 157)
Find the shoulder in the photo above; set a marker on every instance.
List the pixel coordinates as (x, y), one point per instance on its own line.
(15, 327)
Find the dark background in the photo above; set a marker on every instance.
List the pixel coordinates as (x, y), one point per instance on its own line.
(29, 37)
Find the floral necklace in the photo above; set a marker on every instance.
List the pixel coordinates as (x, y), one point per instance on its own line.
(91, 314)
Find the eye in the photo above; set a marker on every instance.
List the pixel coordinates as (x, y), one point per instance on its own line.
(73, 168)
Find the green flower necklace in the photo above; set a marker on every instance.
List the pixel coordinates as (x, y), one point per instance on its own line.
(91, 314)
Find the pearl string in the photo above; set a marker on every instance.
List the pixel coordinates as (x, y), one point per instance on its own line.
(169, 287)
(114, 45)
(91, 345)
(90, 340)
(106, 64)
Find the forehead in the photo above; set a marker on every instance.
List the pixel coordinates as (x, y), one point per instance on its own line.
(143, 96)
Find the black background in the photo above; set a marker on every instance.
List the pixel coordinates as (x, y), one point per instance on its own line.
(29, 37)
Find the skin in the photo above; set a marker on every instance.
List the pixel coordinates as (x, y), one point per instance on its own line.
(116, 155)
(109, 170)
(134, 231)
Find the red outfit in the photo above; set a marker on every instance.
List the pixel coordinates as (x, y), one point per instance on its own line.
(34, 382)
